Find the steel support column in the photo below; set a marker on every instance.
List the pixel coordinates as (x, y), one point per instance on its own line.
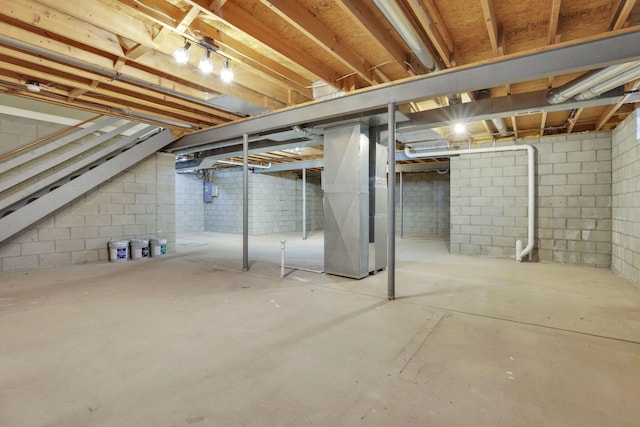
(401, 206)
(245, 202)
(391, 191)
(304, 204)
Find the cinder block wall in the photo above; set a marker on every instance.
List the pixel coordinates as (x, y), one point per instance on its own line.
(275, 203)
(626, 199)
(573, 201)
(189, 203)
(315, 212)
(138, 203)
(17, 132)
(426, 200)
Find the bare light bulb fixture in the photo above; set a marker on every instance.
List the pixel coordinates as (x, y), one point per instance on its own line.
(459, 128)
(181, 54)
(205, 65)
(226, 74)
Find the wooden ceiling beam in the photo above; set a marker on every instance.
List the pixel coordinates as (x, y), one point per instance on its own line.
(424, 18)
(543, 123)
(52, 73)
(574, 119)
(305, 22)
(367, 22)
(620, 19)
(72, 75)
(553, 21)
(491, 23)
(612, 109)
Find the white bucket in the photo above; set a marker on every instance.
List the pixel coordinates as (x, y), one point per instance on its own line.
(139, 249)
(158, 246)
(118, 250)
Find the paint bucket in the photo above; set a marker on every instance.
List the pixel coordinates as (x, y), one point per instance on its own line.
(139, 249)
(118, 250)
(158, 246)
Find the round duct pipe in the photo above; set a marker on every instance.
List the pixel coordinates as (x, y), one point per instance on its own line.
(581, 84)
(620, 79)
(394, 14)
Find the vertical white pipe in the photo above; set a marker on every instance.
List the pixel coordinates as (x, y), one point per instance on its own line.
(282, 246)
(304, 203)
(531, 170)
(245, 202)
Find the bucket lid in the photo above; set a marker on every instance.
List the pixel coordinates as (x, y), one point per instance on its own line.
(159, 240)
(119, 242)
(139, 242)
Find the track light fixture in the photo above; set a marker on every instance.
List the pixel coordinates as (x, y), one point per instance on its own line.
(181, 56)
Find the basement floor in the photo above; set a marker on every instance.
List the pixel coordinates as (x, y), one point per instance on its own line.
(190, 339)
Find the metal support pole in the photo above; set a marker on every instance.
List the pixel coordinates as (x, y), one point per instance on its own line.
(391, 192)
(245, 202)
(304, 203)
(401, 207)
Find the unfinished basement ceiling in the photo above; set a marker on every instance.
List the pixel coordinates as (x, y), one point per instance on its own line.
(115, 56)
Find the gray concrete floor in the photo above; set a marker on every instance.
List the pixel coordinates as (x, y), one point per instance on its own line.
(190, 339)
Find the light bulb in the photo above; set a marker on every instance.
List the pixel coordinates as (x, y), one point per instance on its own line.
(459, 128)
(205, 65)
(226, 75)
(181, 54)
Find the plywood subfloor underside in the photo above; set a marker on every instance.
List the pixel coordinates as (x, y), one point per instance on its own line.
(190, 339)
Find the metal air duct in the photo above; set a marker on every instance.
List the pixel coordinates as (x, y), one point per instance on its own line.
(394, 14)
(582, 84)
(618, 80)
(500, 126)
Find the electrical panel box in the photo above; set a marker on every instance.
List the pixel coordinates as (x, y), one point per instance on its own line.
(209, 192)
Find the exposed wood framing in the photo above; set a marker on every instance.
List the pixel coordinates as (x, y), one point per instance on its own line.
(492, 24)
(311, 27)
(553, 21)
(623, 15)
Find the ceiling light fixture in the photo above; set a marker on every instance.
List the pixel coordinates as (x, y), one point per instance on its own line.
(205, 65)
(181, 54)
(459, 128)
(226, 74)
(33, 86)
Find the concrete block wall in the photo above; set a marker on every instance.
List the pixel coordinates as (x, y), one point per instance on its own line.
(138, 203)
(573, 201)
(189, 203)
(16, 132)
(314, 208)
(224, 214)
(275, 203)
(273, 206)
(626, 199)
(426, 200)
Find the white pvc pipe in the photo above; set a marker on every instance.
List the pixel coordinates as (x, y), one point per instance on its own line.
(520, 253)
(231, 162)
(282, 246)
